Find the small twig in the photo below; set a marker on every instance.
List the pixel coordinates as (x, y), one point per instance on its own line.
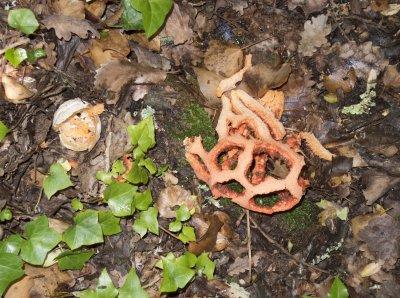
(282, 249)
(239, 220)
(38, 200)
(14, 44)
(169, 233)
(249, 241)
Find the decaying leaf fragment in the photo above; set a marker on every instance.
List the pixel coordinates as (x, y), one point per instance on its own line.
(213, 231)
(114, 75)
(223, 59)
(331, 211)
(314, 35)
(64, 26)
(70, 8)
(172, 196)
(208, 82)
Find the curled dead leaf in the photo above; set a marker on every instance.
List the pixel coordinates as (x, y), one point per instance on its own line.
(96, 8)
(208, 82)
(64, 26)
(340, 80)
(177, 26)
(15, 91)
(261, 77)
(114, 75)
(213, 231)
(314, 35)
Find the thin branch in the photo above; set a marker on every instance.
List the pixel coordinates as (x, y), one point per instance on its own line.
(169, 233)
(282, 249)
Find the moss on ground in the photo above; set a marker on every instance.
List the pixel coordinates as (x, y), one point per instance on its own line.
(299, 218)
(195, 122)
(266, 200)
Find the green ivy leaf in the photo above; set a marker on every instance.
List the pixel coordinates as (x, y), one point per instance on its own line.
(40, 239)
(105, 177)
(73, 260)
(76, 204)
(143, 200)
(183, 213)
(205, 265)
(16, 56)
(137, 174)
(147, 221)
(176, 275)
(132, 287)
(104, 289)
(187, 234)
(23, 19)
(4, 130)
(154, 13)
(131, 18)
(117, 169)
(86, 231)
(5, 215)
(149, 165)
(10, 270)
(142, 134)
(109, 223)
(338, 289)
(57, 180)
(12, 244)
(35, 54)
(175, 226)
(119, 197)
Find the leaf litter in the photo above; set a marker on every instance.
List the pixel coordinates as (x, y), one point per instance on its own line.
(125, 213)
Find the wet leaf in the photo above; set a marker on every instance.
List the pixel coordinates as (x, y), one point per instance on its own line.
(57, 180)
(73, 260)
(153, 12)
(109, 223)
(12, 244)
(86, 231)
(183, 213)
(137, 174)
(119, 197)
(23, 19)
(104, 289)
(205, 266)
(40, 239)
(4, 130)
(338, 289)
(35, 54)
(149, 165)
(175, 226)
(147, 221)
(132, 287)
(10, 270)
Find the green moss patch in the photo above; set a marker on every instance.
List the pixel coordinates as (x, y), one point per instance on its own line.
(299, 218)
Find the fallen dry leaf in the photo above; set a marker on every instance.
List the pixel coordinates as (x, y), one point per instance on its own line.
(146, 57)
(15, 92)
(391, 78)
(112, 45)
(153, 44)
(222, 59)
(64, 26)
(340, 80)
(40, 282)
(183, 54)
(177, 26)
(314, 35)
(172, 196)
(96, 8)
(117, 73)
(331, 211)
(261, 77)
(378, 183)
(308, 6)
(207, 242)
(207, 228)
(70, 8)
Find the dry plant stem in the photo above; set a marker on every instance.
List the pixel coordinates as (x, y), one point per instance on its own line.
(282, 249)
(249, 241)
(169, 233)
(14, 44)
